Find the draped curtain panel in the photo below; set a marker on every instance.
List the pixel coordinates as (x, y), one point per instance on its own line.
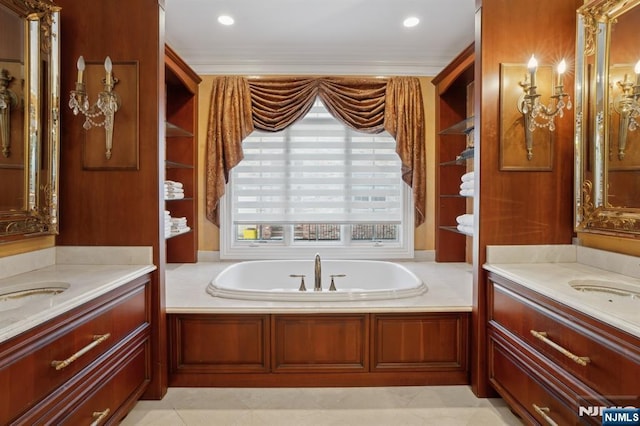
(239, 105)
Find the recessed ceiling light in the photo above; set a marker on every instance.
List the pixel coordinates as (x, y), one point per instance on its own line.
(411, 21)
(225, 20)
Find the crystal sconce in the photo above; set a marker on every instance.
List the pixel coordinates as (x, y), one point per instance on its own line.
(8, 100)
(536, 115)
(106, 106)
(628, 107)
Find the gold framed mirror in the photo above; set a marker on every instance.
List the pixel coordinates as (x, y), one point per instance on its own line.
(607, 135)
(29, 117)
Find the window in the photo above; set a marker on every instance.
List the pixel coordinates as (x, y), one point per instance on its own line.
(317, 185)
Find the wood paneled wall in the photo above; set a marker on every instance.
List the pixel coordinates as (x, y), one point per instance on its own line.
(523, 207)
(117, 207)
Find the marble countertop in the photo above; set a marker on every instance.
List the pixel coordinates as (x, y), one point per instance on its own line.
(450, 290)
(85, 282)
(550, 270)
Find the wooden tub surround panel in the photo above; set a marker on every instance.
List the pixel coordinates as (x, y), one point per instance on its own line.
(220, 343)
(320, 343)
(363, 349)
(419, 342)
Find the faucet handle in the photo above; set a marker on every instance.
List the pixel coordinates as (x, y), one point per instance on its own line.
(332, 287)
(301, 276)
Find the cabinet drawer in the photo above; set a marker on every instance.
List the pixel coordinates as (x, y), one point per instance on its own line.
(101, 404)
(73, 341)
(605, 365)
(526, 392)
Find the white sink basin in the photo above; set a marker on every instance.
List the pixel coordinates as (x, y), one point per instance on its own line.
(611, 289)
(17, 296)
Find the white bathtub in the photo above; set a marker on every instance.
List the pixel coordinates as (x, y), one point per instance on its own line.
(270, 280)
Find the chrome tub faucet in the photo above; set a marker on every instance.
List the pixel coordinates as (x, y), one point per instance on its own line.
(318, 274)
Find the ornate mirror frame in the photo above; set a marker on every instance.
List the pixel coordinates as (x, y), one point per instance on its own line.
(593, 212)
(39, 213)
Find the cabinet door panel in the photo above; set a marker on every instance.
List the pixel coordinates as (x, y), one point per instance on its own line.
(222, 343)
(320, 343)
(422, 342)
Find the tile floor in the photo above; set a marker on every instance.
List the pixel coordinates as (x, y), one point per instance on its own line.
(388, 406)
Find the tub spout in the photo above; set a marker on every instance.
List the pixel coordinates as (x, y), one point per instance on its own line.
(318, 274)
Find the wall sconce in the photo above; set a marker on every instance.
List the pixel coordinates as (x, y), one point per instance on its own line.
(628, 107)
(8, 100)
(536, 115)
(107, 104)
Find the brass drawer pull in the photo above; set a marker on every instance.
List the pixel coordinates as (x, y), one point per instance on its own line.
(99, 416)
(97, 339)
(543, 411)
(541, 335)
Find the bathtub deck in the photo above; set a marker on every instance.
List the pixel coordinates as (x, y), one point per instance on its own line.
(450, 290)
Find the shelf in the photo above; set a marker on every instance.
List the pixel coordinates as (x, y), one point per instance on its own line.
(467, 154)
(461, 158)
(175, 165)
(173, 131)
(452, 196)
(177, 234)
(455, 230)
(463, 127)
(454, 163)
(179, 199)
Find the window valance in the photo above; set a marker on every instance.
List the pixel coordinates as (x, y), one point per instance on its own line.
(240, 104)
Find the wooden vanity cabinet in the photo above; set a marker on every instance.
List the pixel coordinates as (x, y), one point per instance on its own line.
(547, 359)
(88, 365)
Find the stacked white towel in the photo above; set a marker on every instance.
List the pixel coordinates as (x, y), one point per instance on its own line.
(179, 225)
(167, 223)
(467, 185)
(173, 190)
(465, 223)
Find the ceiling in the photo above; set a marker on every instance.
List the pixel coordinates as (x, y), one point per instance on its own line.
(343, 37)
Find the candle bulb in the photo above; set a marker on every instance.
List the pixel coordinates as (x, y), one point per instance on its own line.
(637, 71)
(562, 67)
(532, 66)
(80, 69)
(108, 66)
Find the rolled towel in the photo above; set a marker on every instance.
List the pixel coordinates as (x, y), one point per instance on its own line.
(467, 230)
(171, 183)
(180, 231)
(174, 196)
(469, 184)
(465, 219)
(467, 192)
(468, 176)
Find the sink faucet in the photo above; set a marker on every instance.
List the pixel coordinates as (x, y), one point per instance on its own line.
(318, 277)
